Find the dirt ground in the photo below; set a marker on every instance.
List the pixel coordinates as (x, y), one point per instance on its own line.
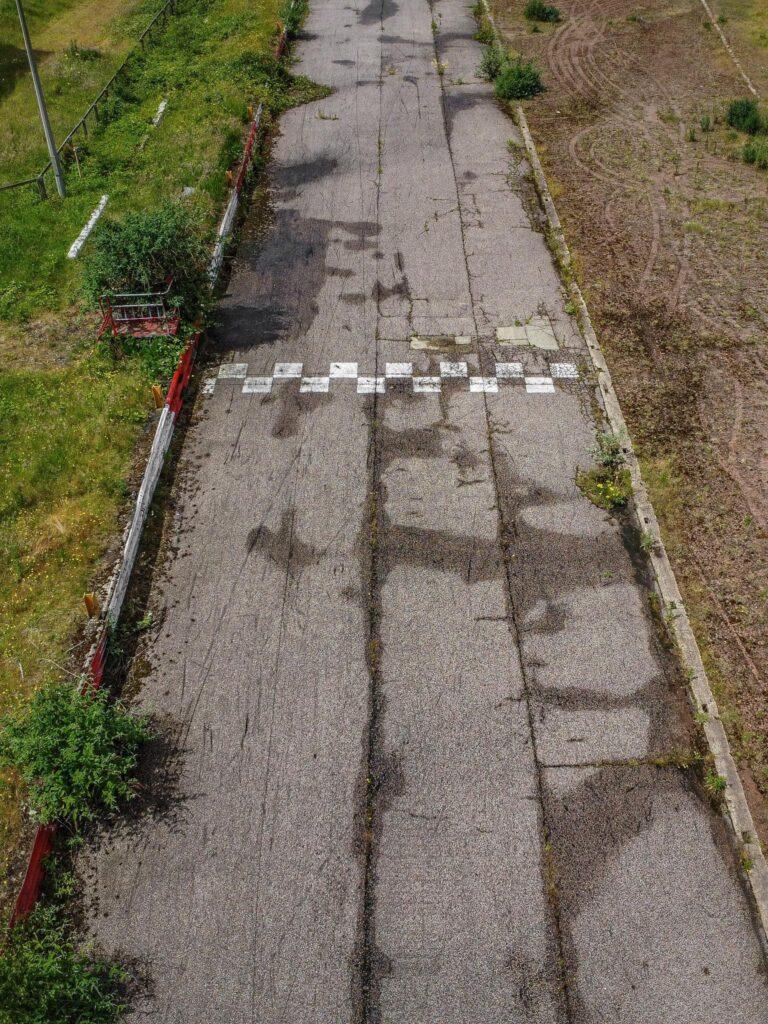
(670, 233)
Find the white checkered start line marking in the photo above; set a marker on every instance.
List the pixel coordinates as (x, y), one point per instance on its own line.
(367, 385)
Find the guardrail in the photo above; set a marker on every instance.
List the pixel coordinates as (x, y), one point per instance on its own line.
(93, 109)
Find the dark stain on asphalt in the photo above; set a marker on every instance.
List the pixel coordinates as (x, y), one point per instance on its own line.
(377, 11)
(282, 546)
(293, 405)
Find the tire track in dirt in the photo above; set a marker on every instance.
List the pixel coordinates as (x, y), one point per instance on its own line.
(672, 237)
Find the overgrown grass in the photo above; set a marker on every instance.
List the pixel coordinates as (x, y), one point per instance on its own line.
(744, 115)
(518, 79)
(49, 976)
(210, 63)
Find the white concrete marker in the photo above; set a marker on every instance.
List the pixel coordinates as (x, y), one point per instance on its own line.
(426, 385)
(398, 370)
(160, 113)
(230, 371)
(453, 369)
(257, 385)
(318, 385)
(343, 371)
(285, 371)
(370, 385)
(484, 384)
(506, 371)
(79, 242)
(539, 386)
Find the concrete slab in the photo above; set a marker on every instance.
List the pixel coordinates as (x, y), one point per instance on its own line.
(648, 916)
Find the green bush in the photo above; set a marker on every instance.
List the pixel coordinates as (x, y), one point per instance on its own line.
(46, 978)
(76, 752)
(744, 115)
(485, 34)
(137, 254)
(537, 10)
(491, 63)
(292, 16)
(756, 152)
(518, 79)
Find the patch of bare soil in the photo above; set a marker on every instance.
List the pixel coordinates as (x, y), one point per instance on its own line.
(670, 233)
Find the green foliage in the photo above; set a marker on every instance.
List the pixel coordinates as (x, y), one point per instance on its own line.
(491, 63)
(46, 977)
(518, 79)
(744, 115)
(537, 10)
(77, 752)
(292, 15)
(271, 82)
(609, 450)
(137, 254)
(485, 33)
(716, 784)
(756, 152)
(157, 356)
(706, 123)
(609, 484)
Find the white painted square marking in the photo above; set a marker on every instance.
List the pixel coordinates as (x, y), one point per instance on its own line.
(565, 371)
(398, 370)
(539, 386)
(487, 384)
(208, 386)
(344, 371)
(453, 369)
(463, 339)
(257, 385)
(318, 385)
(287, 370)
(228, 371)
(504, 371)
(426, 385)
(370, 385)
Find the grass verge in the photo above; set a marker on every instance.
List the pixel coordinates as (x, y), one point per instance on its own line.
(72, 412)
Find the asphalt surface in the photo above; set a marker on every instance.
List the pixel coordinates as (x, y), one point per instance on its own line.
(428, 741)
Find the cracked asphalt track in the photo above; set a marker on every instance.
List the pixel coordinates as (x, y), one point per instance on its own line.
(424, 719)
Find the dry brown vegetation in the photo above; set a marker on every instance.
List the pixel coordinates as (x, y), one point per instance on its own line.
(670, 232)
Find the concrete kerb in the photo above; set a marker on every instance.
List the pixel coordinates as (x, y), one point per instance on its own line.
(117, 586)
(737, 809)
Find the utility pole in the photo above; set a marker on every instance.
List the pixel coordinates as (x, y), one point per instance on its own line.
(41, 103)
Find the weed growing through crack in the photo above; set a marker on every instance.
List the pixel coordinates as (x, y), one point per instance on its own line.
(518, 79)
(491, 63)
(609, 484)
(715, 784)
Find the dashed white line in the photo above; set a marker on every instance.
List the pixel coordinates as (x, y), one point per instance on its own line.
(316, 385)
(370, 385)
(287, 371)
(342, 371)
(453, 369)
(484, 384)
(539, 385)
(228, 371)
(426, 385)
(393, 370)
(257, 385)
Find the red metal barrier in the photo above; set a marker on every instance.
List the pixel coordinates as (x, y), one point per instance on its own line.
(33, 880)
(181, 376)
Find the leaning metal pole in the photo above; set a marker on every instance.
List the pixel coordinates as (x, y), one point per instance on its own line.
(41, 103)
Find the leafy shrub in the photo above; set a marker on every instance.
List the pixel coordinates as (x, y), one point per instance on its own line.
(756, 152)
(518, 79)
(46, 977)
(137, 254)
(537, 10)
(744, 115)
(292, 16)
(76, 752)
(485, 34)
(491, 63)
(609, 484)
